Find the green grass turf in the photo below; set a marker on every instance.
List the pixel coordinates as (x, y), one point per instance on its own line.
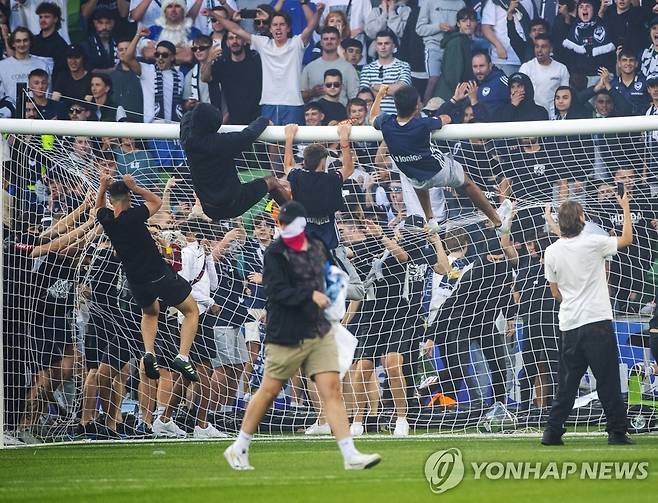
(310, 471)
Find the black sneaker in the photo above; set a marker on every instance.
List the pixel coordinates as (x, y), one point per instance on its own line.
(619, 439)
(551, 438)
(151, 367)
(185, 368)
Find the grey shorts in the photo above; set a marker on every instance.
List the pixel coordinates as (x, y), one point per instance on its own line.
(433, 58)
(451, 175)
(231, 348)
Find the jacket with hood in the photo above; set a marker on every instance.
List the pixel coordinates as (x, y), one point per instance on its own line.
(493, 91)
(527, 110)
(211, 154)
(456, 64)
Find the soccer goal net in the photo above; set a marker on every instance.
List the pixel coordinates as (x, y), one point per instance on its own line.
(456, 331)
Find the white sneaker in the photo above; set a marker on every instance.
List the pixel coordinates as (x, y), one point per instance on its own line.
(356, 429)
(208, 432)
(433, 226)
(168, 430)
(401, 427)
(237, 460)
(318, 429)
(360, 461)
(648, 309)
(505, 213)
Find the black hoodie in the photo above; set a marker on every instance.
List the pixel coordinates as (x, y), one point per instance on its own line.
(527, 110)
(211, 155)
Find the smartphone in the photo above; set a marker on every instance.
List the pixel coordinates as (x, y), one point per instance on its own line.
(248, 13)
(620, 189)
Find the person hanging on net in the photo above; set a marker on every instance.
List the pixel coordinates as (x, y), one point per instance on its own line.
(149, 276)
(211, 157)
(409, 143)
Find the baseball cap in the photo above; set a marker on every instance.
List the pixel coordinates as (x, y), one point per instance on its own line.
(291, 210)
(102, 13)
(74, 51)
(433, 104)
(654, 21)
(652, 80)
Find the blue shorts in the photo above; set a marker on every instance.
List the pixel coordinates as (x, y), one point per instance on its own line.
(280, 115)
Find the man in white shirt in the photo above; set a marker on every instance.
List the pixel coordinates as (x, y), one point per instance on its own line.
(575, 270)
(15, 70)
(545, 73)
(281, 59)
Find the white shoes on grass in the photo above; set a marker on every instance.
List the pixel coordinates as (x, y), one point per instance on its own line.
(237, 459)
(318, 429)
(361, 461)
(208, 432)
(167, 430)
(401, 427)
(356, 429)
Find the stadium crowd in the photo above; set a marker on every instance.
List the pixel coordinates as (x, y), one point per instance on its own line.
(453, 300)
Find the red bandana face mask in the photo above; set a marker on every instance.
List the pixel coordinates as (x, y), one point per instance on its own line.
(293, 234)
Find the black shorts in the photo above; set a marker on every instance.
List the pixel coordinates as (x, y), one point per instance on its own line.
(171, 288)
(125, 339)
(50, 340)
(98, 332)
(248, 194)
(394, 332)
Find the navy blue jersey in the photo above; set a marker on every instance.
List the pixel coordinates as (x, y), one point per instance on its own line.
(409, 145)
(635, 93)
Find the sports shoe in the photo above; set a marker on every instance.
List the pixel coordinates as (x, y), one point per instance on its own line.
(185, 368)
(360, 461)
(318, 429)
(401, 427)
(168, 430)
(433, 226)
(151, 367)
(356, 429)
(505, 212)
(236, 459)
(208, 432)
(619, 439)
(551, 438)
(648, 309)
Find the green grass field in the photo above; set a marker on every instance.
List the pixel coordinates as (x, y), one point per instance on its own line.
(311, 471)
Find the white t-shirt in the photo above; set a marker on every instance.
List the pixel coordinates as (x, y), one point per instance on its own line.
(153, 12)
(147, 80)
(577, 265)
(203, 23)
(496, 16)
(24, 14)
(14, 71)
(282, 70)
(546, 79)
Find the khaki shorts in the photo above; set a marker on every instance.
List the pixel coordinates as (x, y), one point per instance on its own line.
(314, 356)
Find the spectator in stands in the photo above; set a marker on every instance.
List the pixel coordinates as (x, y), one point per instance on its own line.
(80, 111)
(281, 59)
(145, 12)
(100, 47)
(126, 86)
(37, 83)
(389, 15)
(133, 160)
(620, 106)
(366, 94)
(198, 11)
(625, 22)
(386, 69)
(649, 57)
(4, 31)
(172, 26)
(330, 103)
(566, 105)
(218, 33)
(120, 10)
(545, 73)
(456, 48)
(357, 111)
(263, 19)
(492, 85)
(589, 44)
(162, 83)
(524, 47)
(239, 75)
(494, 29)
(354, 14)
(24, 13)
(313, 114)
(522, 106)
(195, 89)
(313, 73)
(74, 83)
(435, 19)
(353, 52)
(49, 43)
(101, 95)
(15, 69)
(630, 83)
(566, 16)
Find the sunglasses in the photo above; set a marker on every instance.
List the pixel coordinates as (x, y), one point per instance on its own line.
(200, 48)
(162, 54)
(335, 85)
(395, 189)
(261, 22)
(76, 110)
(381, 72)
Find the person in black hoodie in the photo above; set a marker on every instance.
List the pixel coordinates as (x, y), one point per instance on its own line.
(211, 158)
(522, 106)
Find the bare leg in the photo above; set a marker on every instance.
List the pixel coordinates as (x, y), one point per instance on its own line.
(425, 203)
(297, 388)
(149, 326)
(174, 398)
(396, 381)
(222, 386)
(89, 390)
(260, 403)
(190, 324)
(374, 395)
(203, 394)
(429, 89)
(165, 387)
(328, 386)
(147, 392)
(106, 374)
(476, 196)
(363, 372)
(253, 348)
(314, 397)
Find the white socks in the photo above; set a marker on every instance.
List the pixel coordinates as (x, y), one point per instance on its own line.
(347, 448)
(243, 441)
(186, 359)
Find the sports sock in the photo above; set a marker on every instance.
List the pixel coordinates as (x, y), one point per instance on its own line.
(347, 448)
(243, 441)
(186, 359)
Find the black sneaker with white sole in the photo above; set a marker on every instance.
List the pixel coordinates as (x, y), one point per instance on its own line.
(185, 368)
(151, 367)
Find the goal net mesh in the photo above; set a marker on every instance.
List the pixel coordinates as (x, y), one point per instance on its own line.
(72, 343)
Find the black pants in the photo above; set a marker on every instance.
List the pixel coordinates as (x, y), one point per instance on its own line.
(593, 345)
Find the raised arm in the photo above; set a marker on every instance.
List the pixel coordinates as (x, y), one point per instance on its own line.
(376, 105)
(106, 180)
(288, 157)
(130, 56)
(313, 20)
(391, 245)
(442, 265)
(346, 150)
(231, 26)
(152, 202)
(626, 238)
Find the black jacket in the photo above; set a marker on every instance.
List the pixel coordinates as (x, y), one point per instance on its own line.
(290, 307)
(527, 110)
(211, 154)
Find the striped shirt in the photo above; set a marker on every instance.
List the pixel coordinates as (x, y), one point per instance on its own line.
(376, 73)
